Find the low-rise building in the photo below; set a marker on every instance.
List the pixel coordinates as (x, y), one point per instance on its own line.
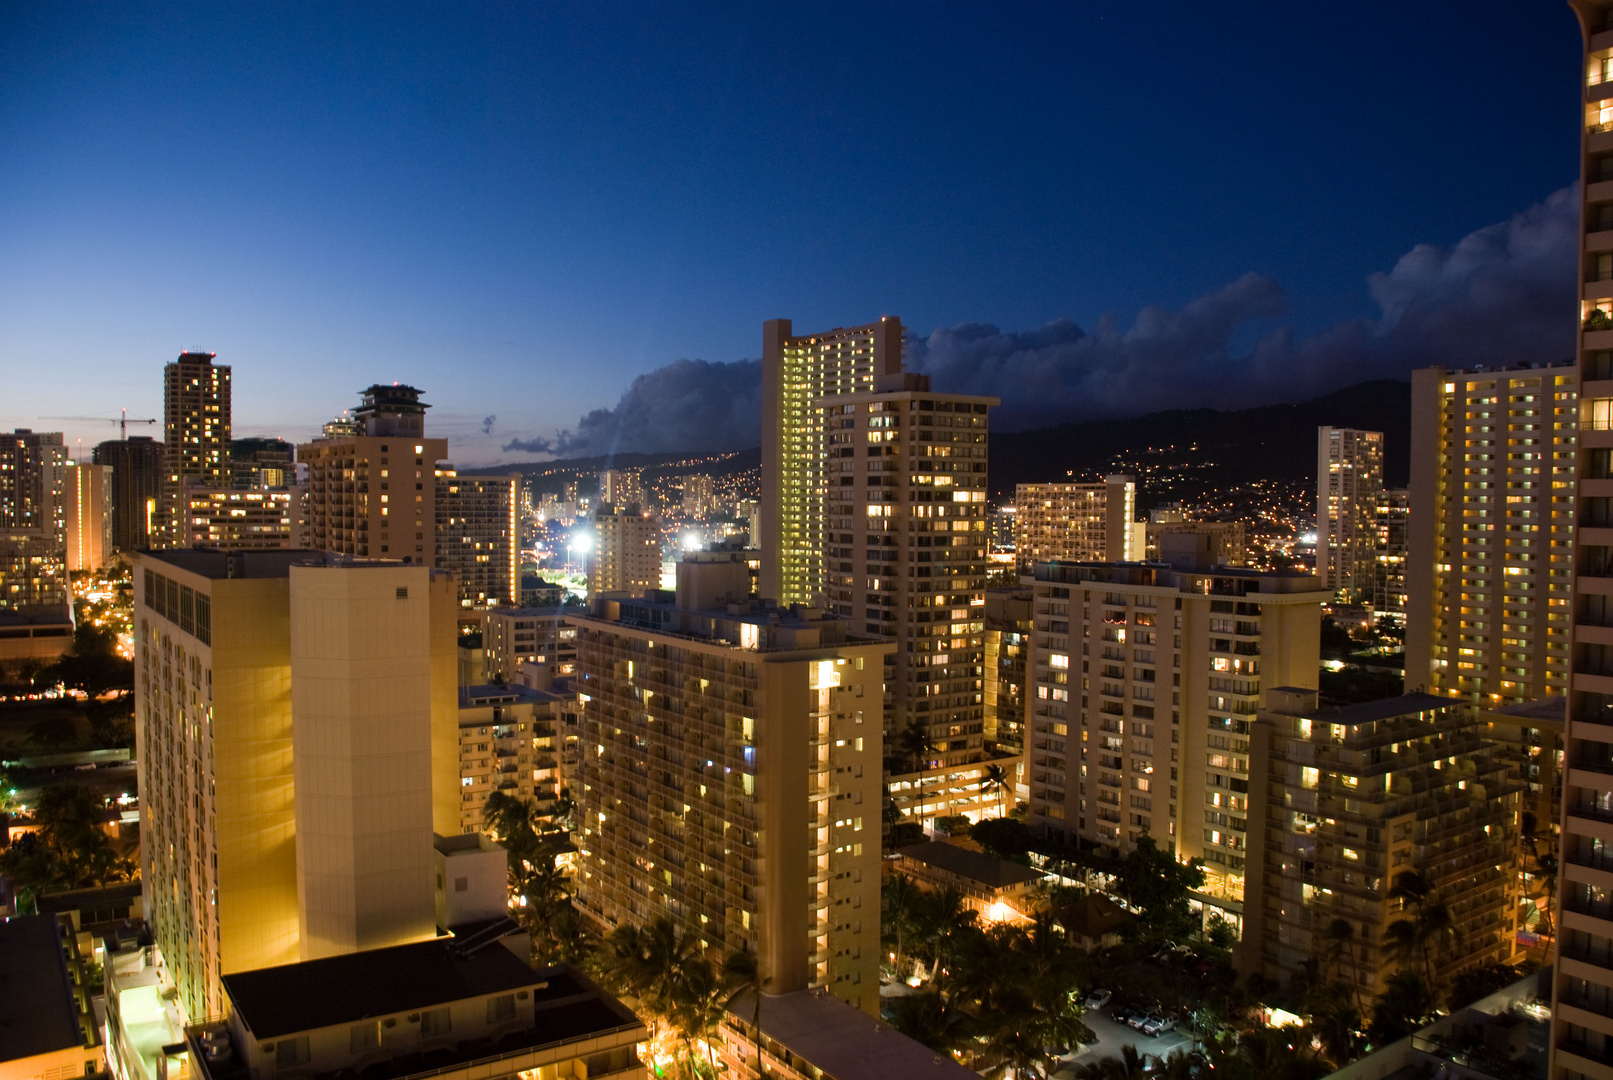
(451, 1009)
(47, 1029)
(993, 886)
(812, 1035)
(527, 635)
(507, 744)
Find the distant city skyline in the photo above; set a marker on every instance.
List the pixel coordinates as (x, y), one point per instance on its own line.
(522, 211)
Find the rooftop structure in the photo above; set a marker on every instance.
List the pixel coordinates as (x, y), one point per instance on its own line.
(45, 1026)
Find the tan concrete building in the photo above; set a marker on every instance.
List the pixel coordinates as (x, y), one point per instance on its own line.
(626, 556)
(478, 537)
(507, 744)
(1347, 799)
(1349, 475)
(798, 372)
(291, 714)
(1197, 543)
(88, 494)
(1490, 532)
(1076, 522)
(1009, 624)
(906, 559)
(195, 436)
(374, 495)
(528, 635)
(1582, 1002)
(233, 519)
(1145, 680)
(730, 778)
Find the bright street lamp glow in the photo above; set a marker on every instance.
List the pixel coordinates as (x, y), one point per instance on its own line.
(581, 542)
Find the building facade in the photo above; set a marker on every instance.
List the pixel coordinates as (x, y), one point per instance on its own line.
(1490, 533)
(1349, 475)
(798, 372)
(730, 778)
(1391, 547)
(906, 560)
(1145, 681)
(237, 519)
(196, 436)
(251, 851)
(626, 555)
(1076, 522)
(540, 636)
(136, 468)
(88, 490)
(1204, 543)
(478, 537)
(1009, 625)
(374, 495)
(506, 744)
(1347, 799)
(33, 483)
(699, 496)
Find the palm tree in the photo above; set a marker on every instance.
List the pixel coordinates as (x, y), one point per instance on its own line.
(1340, 936)
(1129, 1065)
(899, 904)
(697, 1004)
(744, 975)
(916, 743)
(929, 1019)
(995, 779)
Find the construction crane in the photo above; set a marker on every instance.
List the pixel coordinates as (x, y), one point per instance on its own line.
(122, 421)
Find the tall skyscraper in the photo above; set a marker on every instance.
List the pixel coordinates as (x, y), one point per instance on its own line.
(88, 491)
(478, 537)
(1490, 532)
(33, 521)
(622, 487)
(196, 435)
(1582, 1016)
(1144, 682)
(375, 494)
(626, 555)
(906, 547)
(136, 465)
(1349, 475)
(292, 714)
(1077, 522)
(798, 372)
(730, 777)
(699, 496)
(1390, 550)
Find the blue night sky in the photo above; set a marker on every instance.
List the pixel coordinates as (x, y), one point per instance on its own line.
(523, 207)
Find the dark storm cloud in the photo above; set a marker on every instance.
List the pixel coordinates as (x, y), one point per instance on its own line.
(487, 424)
(530, 446)
(1502, 295)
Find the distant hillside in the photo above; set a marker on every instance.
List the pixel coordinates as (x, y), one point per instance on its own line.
(1180, 454)
(1271, 442)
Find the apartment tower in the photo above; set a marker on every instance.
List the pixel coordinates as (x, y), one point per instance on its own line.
(293, 713)
(906, 536)
(626, 556)
(1009, 625)
(478, 537)
(1349, 475)
(1490, 532)
(88, 492)
(375, 494)
(730, 777)
(1076, 522)
(1144, 682)
(1582, 1001)
(798, 372)
(196, 436)
(136, 467)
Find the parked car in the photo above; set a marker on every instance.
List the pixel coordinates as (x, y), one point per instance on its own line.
(1099, 998)
(1158, 1025)
(1138, 1019)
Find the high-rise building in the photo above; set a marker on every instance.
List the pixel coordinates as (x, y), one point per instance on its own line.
(33, 572)
(1344, 799)
(88, 490)
(196, 436)
(506, 744)
(1490, 531)
(626, 556)
(1582, 1017)
(375, 494)
(33, 478)
(906, 534)
(296, 733)
(1009, 624)
(541, 636)
(1076, 522)
(1391, 521)
(699, 496)
(731, 777)
(478, 537)
(262, 463)
(136, 464)
(798, 372)
(1144, 682)
(1349, 475)
(622, 487)
(241, 519)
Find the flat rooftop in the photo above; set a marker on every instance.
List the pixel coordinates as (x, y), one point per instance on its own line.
(1367, 712)
(1544, 711)
(38, 1014)
(473, 696)
(843, 1041)
(380, 982)
(274, 563)
(987, 869)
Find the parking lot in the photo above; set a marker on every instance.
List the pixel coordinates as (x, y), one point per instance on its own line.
(1112, 1035)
